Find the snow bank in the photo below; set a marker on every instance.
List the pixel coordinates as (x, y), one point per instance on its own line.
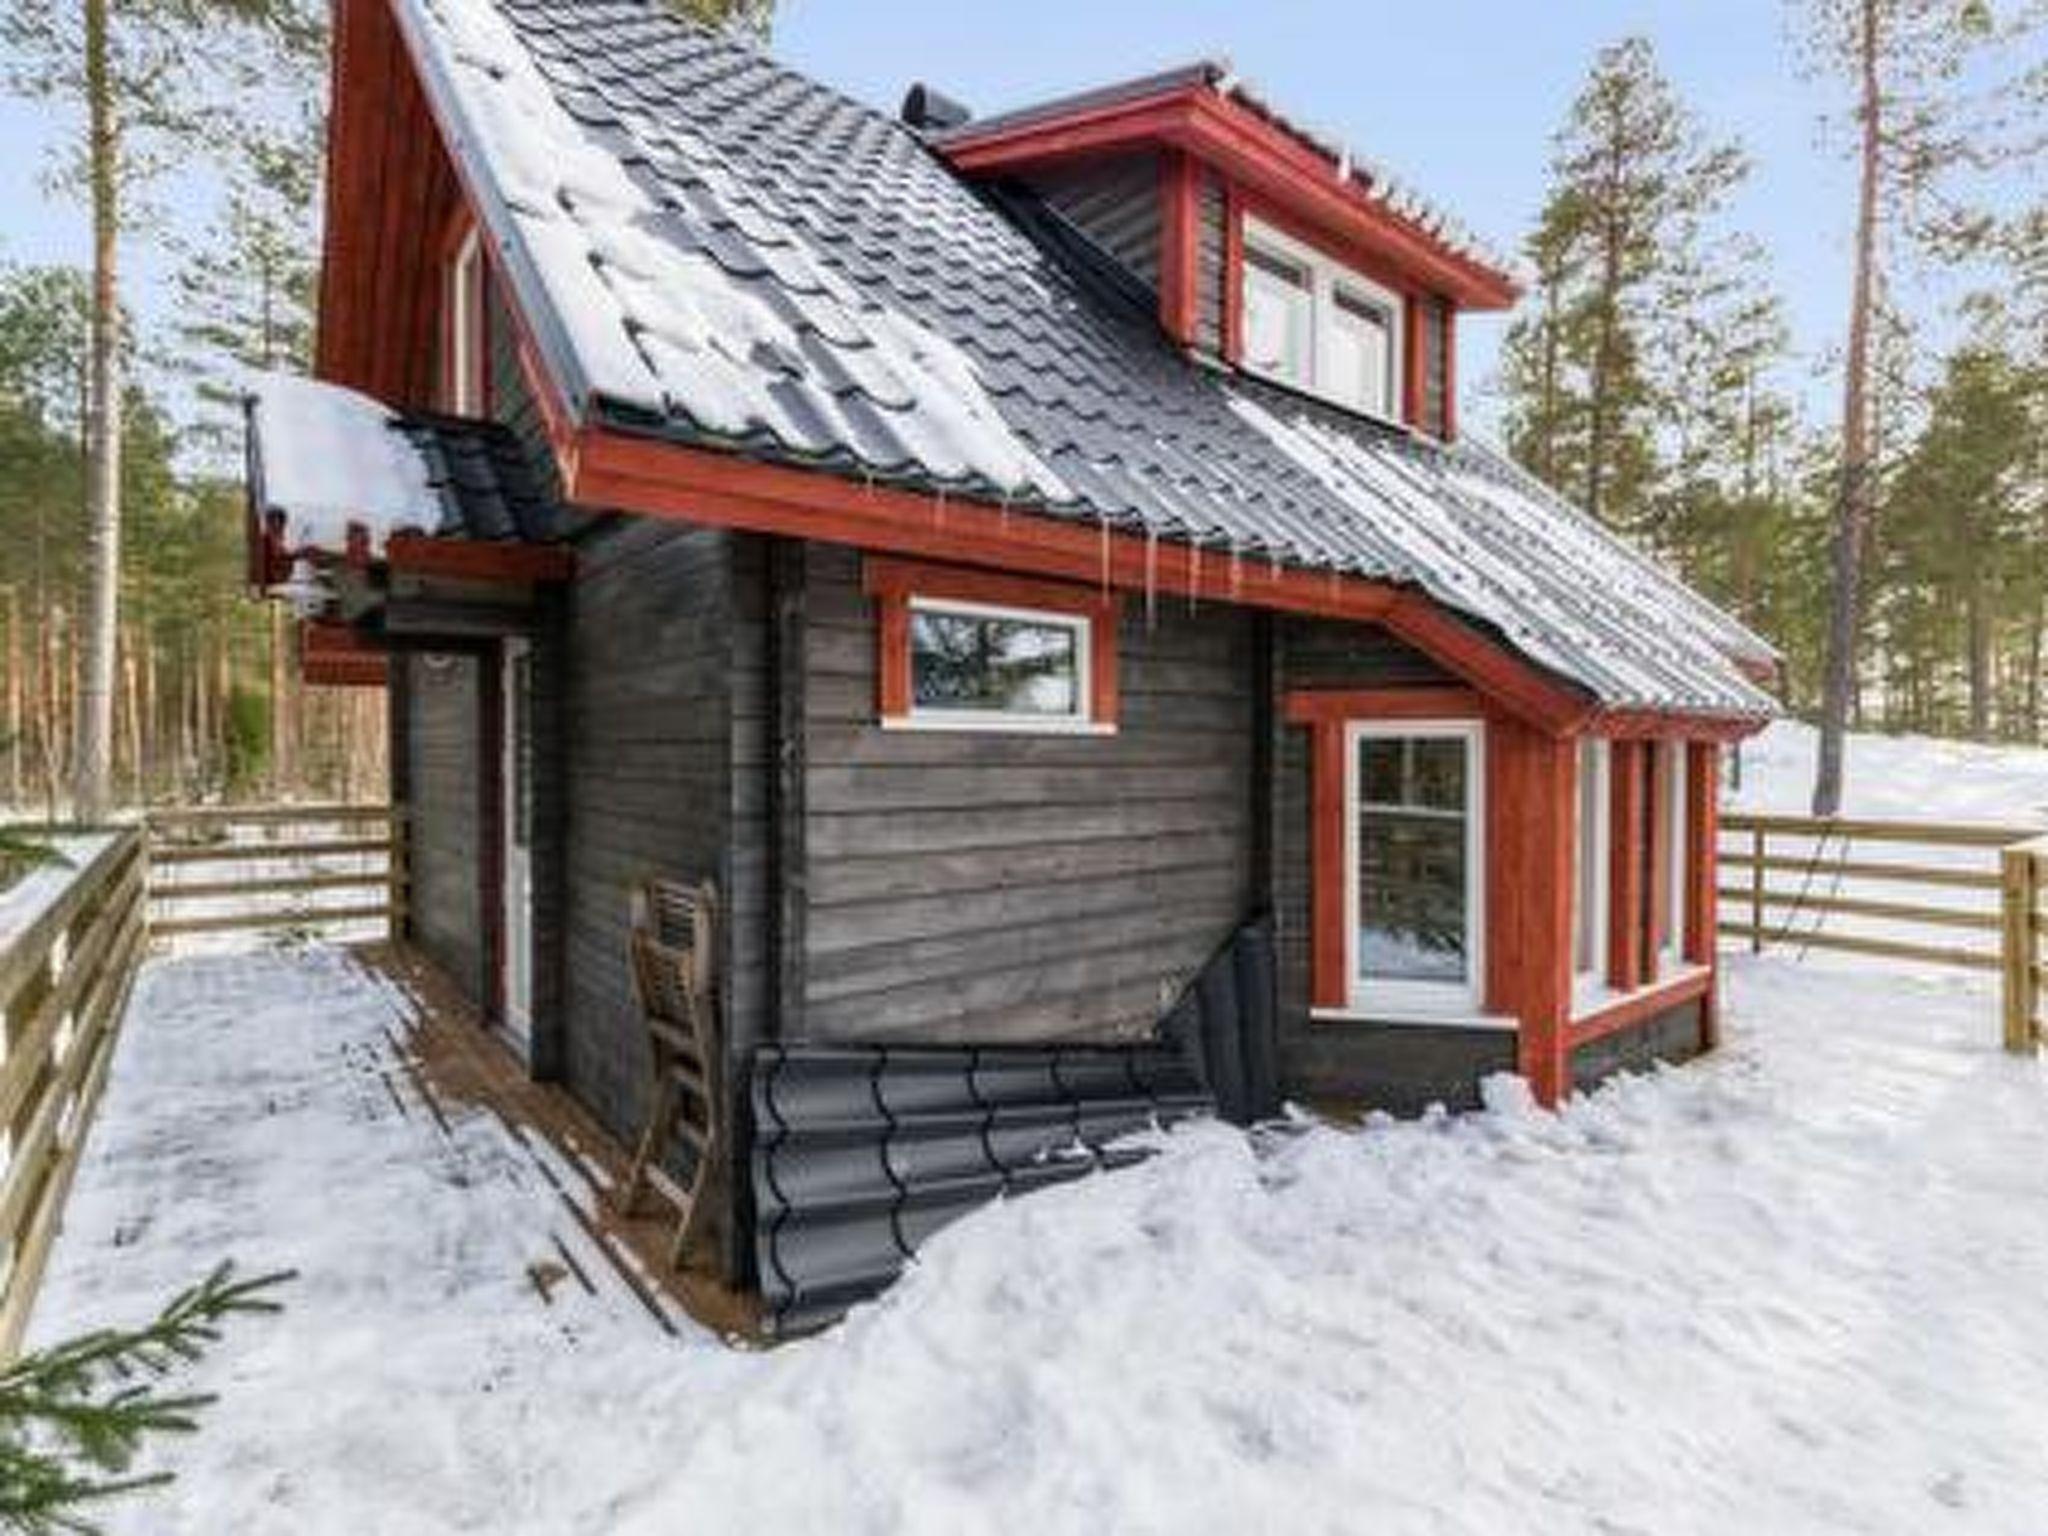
(1923, 778)
(1785, 1290)
(334, 460)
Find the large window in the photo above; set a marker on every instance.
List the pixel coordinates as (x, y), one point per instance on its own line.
(1590, 869)
(1317, 325)
(1415, 878)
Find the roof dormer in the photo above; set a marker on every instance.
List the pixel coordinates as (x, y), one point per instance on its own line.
(1266, 247)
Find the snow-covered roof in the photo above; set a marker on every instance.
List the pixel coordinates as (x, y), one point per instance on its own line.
(330, 460)
(713, 247)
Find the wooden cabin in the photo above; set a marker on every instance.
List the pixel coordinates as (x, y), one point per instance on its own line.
(1030, 565)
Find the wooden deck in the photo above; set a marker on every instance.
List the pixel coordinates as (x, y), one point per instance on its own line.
(454, 1062)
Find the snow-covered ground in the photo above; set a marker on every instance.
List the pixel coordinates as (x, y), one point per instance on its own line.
(1794, 1288)
(1919, 778)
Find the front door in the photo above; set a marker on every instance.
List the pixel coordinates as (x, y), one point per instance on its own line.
(516, 777)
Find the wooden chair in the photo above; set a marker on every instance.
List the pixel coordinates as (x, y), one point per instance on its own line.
(674, 945)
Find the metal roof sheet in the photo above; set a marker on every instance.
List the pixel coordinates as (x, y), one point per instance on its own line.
(716, 246)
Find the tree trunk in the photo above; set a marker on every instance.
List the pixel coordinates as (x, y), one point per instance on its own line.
(2036, 625)
(16, 724)
(92, 770)
(1852, 507)
(1977, 614)
(284, 734)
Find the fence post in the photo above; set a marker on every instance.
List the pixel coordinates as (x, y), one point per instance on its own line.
(2022, 982)
(1756, 891)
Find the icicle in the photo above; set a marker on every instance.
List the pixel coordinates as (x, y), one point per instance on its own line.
(1103, 519)
(1236, 568)
(1003, 510)
(1151, 578)
(1194, 574)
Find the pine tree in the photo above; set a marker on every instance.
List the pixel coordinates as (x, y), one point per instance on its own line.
(148, 76)
(74, 1416)
(1633, 180)
(1901, 58)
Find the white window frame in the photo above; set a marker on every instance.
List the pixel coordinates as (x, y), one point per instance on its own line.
(1081, 721)
(1326, 278)
(1420, 1001)
(465, 364)
(1595, 758)
(1677, 782)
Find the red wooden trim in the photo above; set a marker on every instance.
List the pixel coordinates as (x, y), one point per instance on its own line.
(1528, 896)
(1179, 246)
(661, 479)
(1702, 854)
(1233, 276)
(969, 584)
(894, 582)
(1636, 1007)
(1450, 421)
(1656, 852)
(1105, 669)
(892, 670)
(1638, 724)
(1414, 358)
(473, 560)
(1252, 150)
(1329, 986)
(1625, 868)
(1304, 706)
(344, 671)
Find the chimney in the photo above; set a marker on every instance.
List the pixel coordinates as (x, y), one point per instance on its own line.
(931, 111)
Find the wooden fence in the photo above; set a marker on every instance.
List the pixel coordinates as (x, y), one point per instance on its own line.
(64, 983)
(305, 868)
(1937, 893)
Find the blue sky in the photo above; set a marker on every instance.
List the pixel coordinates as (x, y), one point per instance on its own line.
(1459, 97)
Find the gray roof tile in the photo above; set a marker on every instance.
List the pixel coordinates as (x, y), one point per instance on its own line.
(821, 289)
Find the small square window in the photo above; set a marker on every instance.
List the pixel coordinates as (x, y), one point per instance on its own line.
(989, 662)
(1318, 325)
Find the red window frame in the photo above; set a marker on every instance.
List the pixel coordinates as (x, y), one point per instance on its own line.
(893, 583)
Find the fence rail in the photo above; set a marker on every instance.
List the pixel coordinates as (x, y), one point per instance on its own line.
(64, 983)
(1934, 887)
(223, 869)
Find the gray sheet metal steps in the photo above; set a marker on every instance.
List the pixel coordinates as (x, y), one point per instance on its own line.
(861, 1153)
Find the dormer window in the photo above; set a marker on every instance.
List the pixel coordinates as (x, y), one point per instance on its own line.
(1318, 325)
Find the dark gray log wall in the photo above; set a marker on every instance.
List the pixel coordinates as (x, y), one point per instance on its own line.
(1398, 1067)
(441, 777)
(646, 768)
(1013, 888)
(1114, 202)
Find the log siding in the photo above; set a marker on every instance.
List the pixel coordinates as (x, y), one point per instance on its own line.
(1003, 887)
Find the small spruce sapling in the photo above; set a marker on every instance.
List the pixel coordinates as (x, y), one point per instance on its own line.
(74, 1415)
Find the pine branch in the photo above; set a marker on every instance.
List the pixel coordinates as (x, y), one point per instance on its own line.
(74, 1415)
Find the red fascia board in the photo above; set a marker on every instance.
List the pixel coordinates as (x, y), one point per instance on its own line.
(628, 473)
(471, 560)
(1251, 151)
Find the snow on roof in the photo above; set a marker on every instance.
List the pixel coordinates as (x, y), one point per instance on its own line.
(655, 321)
(331, 459)
(713, 247)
